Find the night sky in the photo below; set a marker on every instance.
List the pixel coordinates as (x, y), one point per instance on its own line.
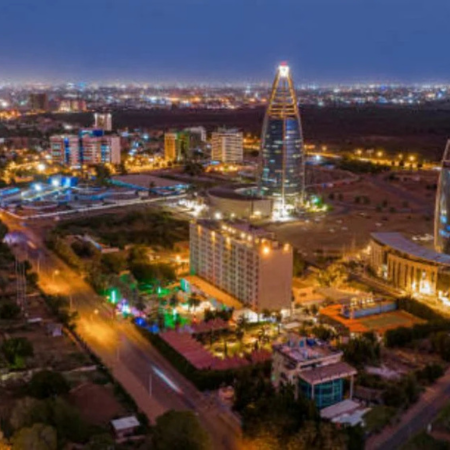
(224, 40)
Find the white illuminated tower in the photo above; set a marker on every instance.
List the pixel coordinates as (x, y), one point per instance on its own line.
(282, 162)
(442, 211)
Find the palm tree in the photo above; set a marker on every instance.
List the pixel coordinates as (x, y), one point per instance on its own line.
(193, 301)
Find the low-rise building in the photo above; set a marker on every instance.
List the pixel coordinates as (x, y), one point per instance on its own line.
(313, 368)
(408, 266)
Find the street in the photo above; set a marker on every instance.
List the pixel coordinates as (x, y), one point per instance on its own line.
(154, 384)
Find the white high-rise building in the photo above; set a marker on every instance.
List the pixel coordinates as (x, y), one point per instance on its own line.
(243, 261)
(227, 146)
(103, 121)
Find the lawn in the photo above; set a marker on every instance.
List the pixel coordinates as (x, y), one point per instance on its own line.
(423, 441)
(378, 417)
(394, 319)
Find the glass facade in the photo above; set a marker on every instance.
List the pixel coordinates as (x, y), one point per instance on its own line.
(441, 219)
(325, 394)
(282, 155)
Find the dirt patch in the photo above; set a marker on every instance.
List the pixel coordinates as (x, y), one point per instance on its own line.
(96, 403)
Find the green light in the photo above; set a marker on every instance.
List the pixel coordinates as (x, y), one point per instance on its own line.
(114, 297)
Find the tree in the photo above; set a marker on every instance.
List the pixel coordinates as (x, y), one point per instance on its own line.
(3, 231)
(3, 284)
(46, 383)
(101, 442)
(37, 437)
(16, 350)
(193, 301)
(28, 411)
(317, 436)
(102, 174)
(9, 311)
(179, 430)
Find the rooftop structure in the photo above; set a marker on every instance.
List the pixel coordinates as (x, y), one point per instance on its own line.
(312, 367)
(282, 165)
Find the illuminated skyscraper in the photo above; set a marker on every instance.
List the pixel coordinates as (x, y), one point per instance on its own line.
(442, 212)
(282, 170)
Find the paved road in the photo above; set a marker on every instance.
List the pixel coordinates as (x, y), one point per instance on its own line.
(415, 419)
(122, 347)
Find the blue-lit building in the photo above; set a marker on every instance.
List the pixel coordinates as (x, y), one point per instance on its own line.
(442, 218)
(282, 163)
(90, 146)
(313, 368)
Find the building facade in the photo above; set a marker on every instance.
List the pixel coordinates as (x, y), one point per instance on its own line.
(38, 101)
(312, 368)
(227, 146)
(85, 149)
(243, 261)
(282, 161)
(103, 121)
(442, 211)
(408, 266)
(183, 145)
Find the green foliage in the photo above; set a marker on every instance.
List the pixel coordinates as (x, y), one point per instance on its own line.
(64, 251)
(114, 262)
(159, 272)
(317, 436)
(193, 169)
(9, 311)
(333, 276)
(47, 383)
(441, 344)
(3, 230)
(179, 430)
(356, 166)
(378, 417)
(299, 265)
(430, 373)
(322, 333)
(54, 412)
(37, 437)
(362, 350)
(16, 350)
(418, 309)
(59, 306)
(100, 442)
(402, 393)
(83, 249)
(102, 174)
(144, 227)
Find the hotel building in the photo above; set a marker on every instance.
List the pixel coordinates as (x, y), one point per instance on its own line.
(243, 261)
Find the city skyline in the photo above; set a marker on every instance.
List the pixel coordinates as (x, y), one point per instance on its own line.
(325, 41)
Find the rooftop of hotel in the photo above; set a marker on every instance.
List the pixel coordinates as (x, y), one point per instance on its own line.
(301, 349)
(236, 228)
(401, 244)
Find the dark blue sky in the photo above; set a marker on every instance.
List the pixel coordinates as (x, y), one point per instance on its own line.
(183, 40)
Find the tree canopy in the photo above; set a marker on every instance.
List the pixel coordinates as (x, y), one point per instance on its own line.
(179, 430)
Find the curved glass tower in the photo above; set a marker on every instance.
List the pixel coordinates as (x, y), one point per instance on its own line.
(441, 217)
(282, 170)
